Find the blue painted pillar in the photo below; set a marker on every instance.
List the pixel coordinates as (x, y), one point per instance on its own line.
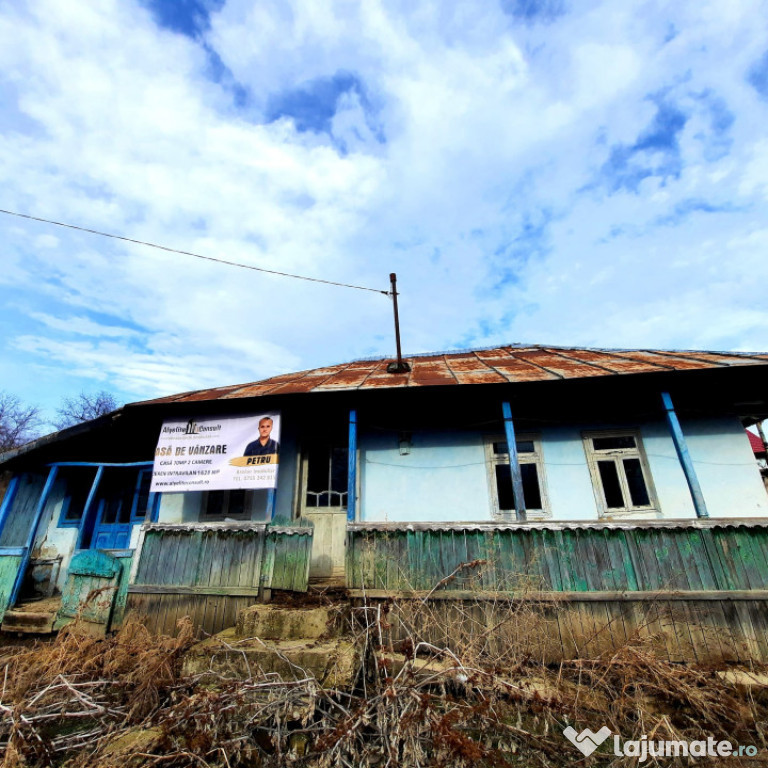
(514, 463)
(271, 501)
(8, 499)
(685, 458)
(31, 536)
(352, 473)
(87, 508)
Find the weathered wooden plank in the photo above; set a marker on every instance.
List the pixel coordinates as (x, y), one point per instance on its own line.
(752, 557)
(9, 569)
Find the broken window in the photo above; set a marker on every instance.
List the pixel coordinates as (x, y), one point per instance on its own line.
(619, 472)
(531, 471)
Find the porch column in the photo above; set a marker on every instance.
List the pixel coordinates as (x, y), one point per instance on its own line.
(87, 508)
(31, 535)
(514, 463)
(352, 468)
(685, 458)
(10, 495)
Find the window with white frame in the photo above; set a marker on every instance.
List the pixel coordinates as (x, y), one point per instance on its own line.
(620, 474)
(532, 472)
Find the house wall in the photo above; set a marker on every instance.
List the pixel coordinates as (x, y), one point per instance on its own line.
(445, 476)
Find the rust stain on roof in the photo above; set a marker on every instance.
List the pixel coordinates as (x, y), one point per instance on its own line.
(561, 365)
(484, 366)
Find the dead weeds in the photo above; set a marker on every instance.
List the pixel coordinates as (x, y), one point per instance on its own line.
(122, 701)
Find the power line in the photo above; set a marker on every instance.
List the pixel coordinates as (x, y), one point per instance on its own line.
(196, 255)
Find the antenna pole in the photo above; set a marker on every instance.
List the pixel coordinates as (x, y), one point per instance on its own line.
(399, 366)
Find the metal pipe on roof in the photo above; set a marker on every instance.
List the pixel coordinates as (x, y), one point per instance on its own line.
(399, 366)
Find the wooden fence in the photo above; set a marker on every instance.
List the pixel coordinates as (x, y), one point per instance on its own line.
(699, 588)
(210, 572)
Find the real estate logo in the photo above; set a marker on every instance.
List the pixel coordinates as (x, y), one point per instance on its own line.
(586, 741)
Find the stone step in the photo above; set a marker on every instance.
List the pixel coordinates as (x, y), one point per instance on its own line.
(34, 622)
(273, 622)
(333, 663)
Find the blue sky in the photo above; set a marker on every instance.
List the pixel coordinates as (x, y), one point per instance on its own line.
(538, 171)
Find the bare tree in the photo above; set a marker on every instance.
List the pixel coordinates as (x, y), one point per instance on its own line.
(84, 407)
(18, 423)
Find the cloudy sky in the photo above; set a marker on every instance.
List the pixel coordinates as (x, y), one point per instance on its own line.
(547, 171)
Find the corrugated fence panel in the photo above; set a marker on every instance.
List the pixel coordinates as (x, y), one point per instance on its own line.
(566, 559)
(211, 572)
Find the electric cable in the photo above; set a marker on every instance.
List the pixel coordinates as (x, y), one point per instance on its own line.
(196, 255)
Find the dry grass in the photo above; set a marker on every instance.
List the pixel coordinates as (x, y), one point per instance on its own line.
(487, 700)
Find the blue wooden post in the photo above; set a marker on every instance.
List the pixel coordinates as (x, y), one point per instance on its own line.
(352, 473)
(10, 495)
(87, 509)
(685, 458)
(271, 501)
(31, 536)
(514, 463)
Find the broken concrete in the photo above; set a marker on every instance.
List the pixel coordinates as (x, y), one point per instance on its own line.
(272, 622)
(333, 663)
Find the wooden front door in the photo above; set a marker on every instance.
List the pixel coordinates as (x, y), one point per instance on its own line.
(323, 501)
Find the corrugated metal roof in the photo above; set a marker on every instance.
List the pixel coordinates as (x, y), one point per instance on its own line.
(756, 443)
(499, 365)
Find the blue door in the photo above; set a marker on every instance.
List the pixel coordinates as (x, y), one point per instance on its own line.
(124, 500)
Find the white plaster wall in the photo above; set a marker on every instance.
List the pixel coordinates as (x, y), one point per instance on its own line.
(568, 482)
(444, 478)
(726, 467)
(51, 541)
(173, 505)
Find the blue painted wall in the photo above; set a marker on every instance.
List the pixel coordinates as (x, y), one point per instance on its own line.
(443, 478)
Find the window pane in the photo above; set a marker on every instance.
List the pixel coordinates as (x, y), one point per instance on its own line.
(636, 483)
(504, 488)
(531, 489)
(143, 500)
(523, 446)
(614, 499)
(116, 489)
(339, 469)
(318, 457)
(236, 503)
(613, 443)
(78, 483)
(215, 504)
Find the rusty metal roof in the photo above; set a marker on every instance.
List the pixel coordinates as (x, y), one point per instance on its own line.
(500, 365)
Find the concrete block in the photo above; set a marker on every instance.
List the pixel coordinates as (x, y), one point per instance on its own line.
(271, 622)
(333, 663)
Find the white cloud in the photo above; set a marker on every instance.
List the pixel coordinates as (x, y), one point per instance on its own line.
(474, 154)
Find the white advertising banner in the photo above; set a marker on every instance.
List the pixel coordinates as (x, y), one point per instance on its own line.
(217, 453)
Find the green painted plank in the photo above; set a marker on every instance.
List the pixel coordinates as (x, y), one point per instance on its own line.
(752, 558)
(715, 559)
(729, 556)
(121, 596)
(267, 568)
(9, 568)
(693, 554)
